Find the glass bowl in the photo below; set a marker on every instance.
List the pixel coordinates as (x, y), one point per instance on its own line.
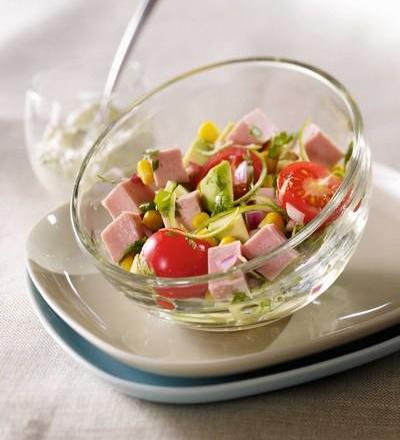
(289, 92)
(61, 117)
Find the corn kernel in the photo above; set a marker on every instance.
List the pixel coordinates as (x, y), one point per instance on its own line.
(152, 220)
(199, 219)
(145, 171)
(273, 218)
(228, 239)
(208, 131)
(126, 262)
(268, 181)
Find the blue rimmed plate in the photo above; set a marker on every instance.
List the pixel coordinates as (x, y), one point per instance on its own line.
(137, 383)
(363, 301)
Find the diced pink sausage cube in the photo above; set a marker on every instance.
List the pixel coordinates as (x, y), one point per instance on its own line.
(266, 239)
(221, 259)
(189, 206)
(122, 233)
(254, 128)
(319, 147)
(127, 196)
(170, 167)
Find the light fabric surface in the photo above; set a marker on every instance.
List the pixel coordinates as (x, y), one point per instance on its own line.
(46, 395)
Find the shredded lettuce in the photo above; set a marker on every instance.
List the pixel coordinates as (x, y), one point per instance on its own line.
(140, 266)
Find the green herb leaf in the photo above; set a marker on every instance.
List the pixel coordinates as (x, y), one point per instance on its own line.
(296, 229)
(149, 206)
(278, 141)
(163, 200)
(275, 182)
(255, 131)
(138, 245)
(155, 164)
(239, 297)
(348, 154)
(135, 248)
(151, 154)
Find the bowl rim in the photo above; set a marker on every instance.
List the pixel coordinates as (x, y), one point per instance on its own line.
(353, 167)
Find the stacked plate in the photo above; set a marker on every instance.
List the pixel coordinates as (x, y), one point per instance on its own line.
(355, 321)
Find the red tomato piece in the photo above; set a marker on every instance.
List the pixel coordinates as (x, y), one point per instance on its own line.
(235, 156)
(169, 253)
(307, 186)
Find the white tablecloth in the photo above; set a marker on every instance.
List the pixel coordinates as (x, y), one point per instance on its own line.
(43, 393)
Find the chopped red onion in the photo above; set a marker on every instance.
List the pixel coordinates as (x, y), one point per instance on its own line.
(241, 174)
(254, 218)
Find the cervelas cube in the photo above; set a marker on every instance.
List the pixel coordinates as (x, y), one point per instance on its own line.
(128, 196)
(265, 240)
(253, 128)
(221, 259)
(319, 147)
(189, 206)
(169, 167)
(122, 233)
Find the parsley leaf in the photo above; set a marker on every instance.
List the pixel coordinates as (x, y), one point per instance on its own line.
(348, 154)
(255, 131)
(277, 143)
(151, 154)
(149, 206)
(163, 200)
(135, 248)
(239, 297)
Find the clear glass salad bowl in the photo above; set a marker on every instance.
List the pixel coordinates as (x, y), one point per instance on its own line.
(169, 115)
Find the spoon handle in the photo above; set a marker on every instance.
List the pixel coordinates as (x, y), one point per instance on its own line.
(126, 44)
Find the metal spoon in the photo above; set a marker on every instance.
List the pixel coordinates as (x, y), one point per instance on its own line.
(125, 46)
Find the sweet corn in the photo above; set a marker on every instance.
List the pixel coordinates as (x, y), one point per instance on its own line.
(126, 262)
(228, 239)
(152, 220)
(273, 218)
(145, 171)
(268, 181)
(208, 131)
(199, 219)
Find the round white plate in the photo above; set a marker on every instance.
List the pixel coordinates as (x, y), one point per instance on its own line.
(364, 300)
(137, 383)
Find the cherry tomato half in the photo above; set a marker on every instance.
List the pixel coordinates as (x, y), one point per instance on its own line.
(307, 186)
(169, 253)
(235, 156)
